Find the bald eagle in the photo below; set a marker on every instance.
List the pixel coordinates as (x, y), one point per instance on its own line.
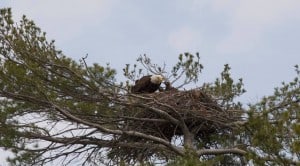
(147, 84)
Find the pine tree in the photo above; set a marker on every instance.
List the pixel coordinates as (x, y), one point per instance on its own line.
(53, 108)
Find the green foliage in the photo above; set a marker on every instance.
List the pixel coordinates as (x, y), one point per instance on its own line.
(226, 90)
(23, 159)
(273, 125)
(37, 80)
(189, 66)
(34, 75)
(29, 60)
(189, 159)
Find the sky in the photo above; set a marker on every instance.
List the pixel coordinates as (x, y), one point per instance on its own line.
(258, 39)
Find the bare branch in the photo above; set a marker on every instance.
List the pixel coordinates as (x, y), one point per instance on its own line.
(221, 151)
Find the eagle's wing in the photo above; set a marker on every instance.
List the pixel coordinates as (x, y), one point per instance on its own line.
(141, 84)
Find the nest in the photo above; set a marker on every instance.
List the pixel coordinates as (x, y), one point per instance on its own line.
(201, 113)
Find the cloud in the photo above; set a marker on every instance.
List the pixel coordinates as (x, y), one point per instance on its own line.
(63, 19)
(249, 20)
(184, 39)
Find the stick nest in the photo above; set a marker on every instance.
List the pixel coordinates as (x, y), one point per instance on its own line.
(202, 115)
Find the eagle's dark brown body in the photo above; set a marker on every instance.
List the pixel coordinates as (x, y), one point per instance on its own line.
(145, 85)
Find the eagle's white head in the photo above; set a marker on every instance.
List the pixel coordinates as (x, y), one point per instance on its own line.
(156, 79)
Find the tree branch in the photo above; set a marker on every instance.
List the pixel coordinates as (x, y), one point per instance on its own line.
(118, 132)
(220, 151)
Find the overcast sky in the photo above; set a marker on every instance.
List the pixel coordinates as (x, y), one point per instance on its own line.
(259, 39)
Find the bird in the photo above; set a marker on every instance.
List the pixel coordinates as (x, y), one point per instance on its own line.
(147, 84)
(169, 87)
